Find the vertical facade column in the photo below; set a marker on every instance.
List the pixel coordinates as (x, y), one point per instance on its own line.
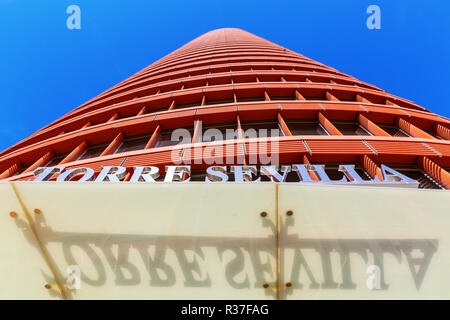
(11, 171)
(114, 117)
(142, 111)
(283, 125)
(241, 136)
(113, 145)
(155, 136)
(391, 103)
(442, 131)
(371, 167)
(328, 125)
(172, 105)
(330, 97)
(128, 176)
(196, 133)
(435, 171)
(76, 153)
(311, 173)
(412, 130)
(42, 161)
(88, 124)
(361, 99)
(194, 152)
(372, 127)
(298, 96)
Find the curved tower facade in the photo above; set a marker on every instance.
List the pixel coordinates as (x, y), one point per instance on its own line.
(229, 79)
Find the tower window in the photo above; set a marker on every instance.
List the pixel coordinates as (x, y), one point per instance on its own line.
(306, 128)
(188, 105)
(351, 128)
(250, 99)
(157, 110)
(261, 129)
(56, 160)
(173, 137)
(218, 132)
(411, 171)
(93, 151)
(431, 133)
(393, 130)
(222, 101)
(283, 98)
(21, 170)
(133, 143)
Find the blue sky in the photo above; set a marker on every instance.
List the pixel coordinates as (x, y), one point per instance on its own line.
(47, 70)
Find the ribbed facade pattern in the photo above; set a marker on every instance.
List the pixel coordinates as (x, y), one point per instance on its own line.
(229, 77)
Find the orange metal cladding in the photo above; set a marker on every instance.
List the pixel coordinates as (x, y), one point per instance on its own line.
(232, 76)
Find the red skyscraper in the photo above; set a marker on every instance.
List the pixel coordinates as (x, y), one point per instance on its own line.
(231, 79)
